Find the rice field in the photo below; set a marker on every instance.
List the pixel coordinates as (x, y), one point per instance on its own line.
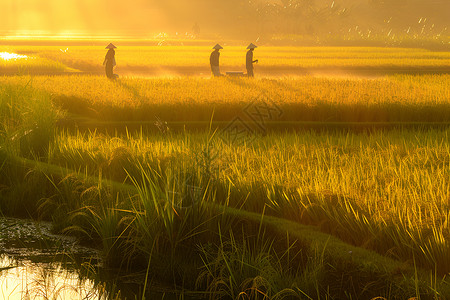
(400, 98)
(269, 207)
(193, 60)
(19, 64)
(234, 56)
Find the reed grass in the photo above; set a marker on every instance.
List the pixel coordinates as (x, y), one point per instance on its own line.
(28, 119)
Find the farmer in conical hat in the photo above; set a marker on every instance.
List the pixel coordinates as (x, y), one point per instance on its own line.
(249, 60)
(214, 60)
(110, 61)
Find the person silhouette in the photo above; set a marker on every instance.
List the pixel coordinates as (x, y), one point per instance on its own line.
(249, 60)
(110, 61)
(214, 61)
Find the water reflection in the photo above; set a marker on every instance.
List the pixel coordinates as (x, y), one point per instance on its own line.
(28, 280)
(37, 264)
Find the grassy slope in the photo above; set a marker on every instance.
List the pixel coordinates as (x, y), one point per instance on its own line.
(360, 271)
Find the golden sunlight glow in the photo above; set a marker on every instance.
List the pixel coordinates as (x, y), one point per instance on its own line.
(77, 17)
(9, 56)
(236, 18)
(40, 281)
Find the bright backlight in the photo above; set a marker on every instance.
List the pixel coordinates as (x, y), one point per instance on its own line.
(9, 56)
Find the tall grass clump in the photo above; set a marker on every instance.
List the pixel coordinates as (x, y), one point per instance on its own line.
(27, 130)
(171, 216)
(28, 119)
(247, 266)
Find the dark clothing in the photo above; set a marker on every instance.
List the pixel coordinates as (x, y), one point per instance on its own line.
(249, 63)
(109, 63)
(250, 72)
(110, 55)
(249, 60)
(109, 69)
(214, 58)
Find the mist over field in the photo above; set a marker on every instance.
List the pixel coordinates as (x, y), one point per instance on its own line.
(237, 19)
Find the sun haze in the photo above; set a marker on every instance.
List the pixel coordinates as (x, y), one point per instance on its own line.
(231, 18)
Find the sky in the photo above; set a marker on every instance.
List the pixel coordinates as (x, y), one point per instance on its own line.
(82, 16)
(100, 17)
(147, 18)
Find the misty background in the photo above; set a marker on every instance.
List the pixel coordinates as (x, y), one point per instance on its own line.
(235, 19)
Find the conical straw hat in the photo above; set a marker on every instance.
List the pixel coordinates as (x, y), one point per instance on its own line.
(217, 47)
(110, 46)
(252, 46)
